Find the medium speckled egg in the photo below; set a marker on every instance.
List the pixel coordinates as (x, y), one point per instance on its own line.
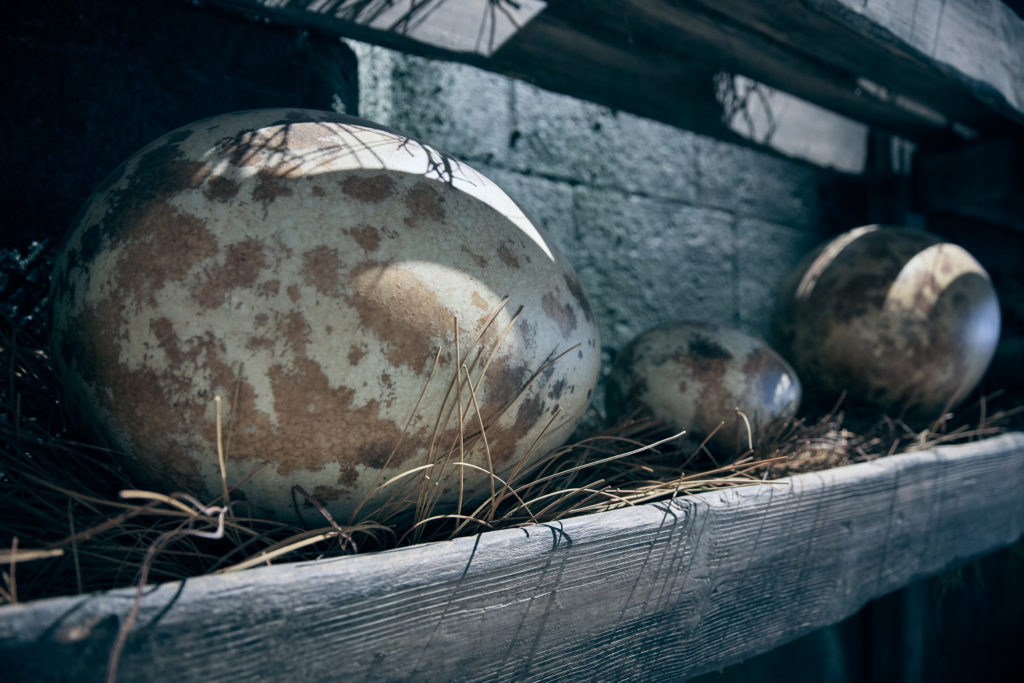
(898, 318)
(694, 375)
(308, 267)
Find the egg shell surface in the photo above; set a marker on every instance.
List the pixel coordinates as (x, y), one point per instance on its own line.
(329, 279)
(898, 318)
(694, 375)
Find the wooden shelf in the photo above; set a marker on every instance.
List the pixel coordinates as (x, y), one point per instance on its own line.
(670, 589)
(908, 68)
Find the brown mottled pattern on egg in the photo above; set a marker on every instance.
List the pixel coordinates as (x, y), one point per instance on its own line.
(694, 375)
(371, 189)
(424, 203)
(310, 269)
(896, 318)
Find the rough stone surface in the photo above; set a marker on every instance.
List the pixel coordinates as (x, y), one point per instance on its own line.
(662, 222)
(765, 254)
(585, 143)
(463, 108)
(649, 261)
(757, 185)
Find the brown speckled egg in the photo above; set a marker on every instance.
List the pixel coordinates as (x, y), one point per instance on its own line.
(308, 267)
(694, 375)
(898, 318)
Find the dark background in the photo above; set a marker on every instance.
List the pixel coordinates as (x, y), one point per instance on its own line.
(89, 83)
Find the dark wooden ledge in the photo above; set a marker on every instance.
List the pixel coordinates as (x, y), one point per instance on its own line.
(670, 589)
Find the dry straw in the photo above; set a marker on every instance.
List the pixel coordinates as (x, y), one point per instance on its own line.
(73, 521)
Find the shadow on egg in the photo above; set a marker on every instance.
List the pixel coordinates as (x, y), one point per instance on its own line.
(895, 318)
(329, 279)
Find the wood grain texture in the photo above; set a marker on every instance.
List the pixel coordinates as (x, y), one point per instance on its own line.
(910, 68)
(658, 590)
(978, 43)
(467, 26)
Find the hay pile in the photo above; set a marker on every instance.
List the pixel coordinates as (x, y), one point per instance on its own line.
(73, 521)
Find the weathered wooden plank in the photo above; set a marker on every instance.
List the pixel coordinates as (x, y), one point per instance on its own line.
(618, 72)
(935, 59)
(546, 49)
(779, 44)
(910, 68)
(468, 26)
(978, 43)
(668, 589)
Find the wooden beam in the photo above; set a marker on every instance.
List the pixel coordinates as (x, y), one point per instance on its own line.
(979, 44)
(909, 68)
(939, 61)
(469, 27)
(657, 591)
(546, 49)
(636, 77)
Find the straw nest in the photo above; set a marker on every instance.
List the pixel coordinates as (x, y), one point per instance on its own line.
(73, 521)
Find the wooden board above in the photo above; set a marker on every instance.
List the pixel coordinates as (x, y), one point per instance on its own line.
(909, 68)
(657, 591)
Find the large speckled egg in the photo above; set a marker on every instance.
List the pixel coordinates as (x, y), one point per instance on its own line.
(308, 267)
(900, 319)
(694, 375)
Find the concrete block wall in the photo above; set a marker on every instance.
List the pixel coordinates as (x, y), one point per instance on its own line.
(661, 224)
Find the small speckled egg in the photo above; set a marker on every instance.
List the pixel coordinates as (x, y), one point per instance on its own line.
(898, 318)
(329, 279)
(694, 375)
